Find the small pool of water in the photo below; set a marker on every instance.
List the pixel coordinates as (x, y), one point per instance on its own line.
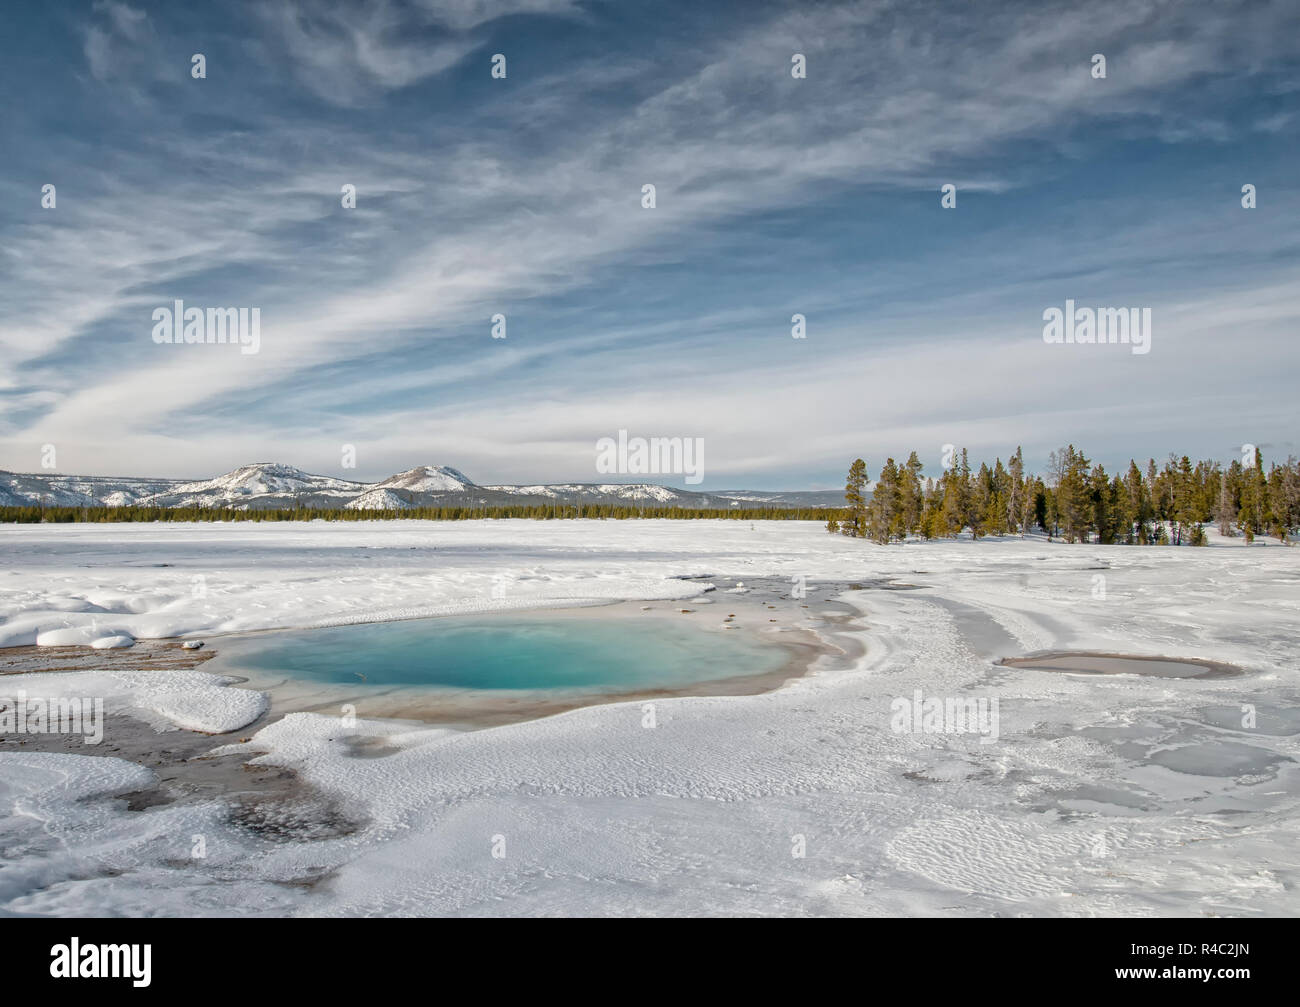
(1088, 663)
(501, 652)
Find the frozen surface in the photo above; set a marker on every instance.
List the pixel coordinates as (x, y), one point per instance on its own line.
(194, 700)
(1102, 795)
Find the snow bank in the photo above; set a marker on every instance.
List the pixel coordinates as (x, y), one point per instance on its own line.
(194, 700)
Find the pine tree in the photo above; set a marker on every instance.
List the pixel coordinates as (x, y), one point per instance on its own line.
(1074, 502)
(855, 516)
(1102, 505)
(932, 511)
(1226, 511)
(1121, 518)
(1184, 510)
(953, 506)
(1250, 517)
(1034, 514)
(1281, 493)
(966, 494)
(884, 515)
(1288, 491)
(1056, 465)
(981, 502)
(1158, 504)
(913, 496)
(1138, 511)
(1016, 493)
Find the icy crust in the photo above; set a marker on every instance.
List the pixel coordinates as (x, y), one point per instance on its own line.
(599, 814)
(206, 579)
(1112, 795)
(73, 584)
(72, 848)
(194, 700)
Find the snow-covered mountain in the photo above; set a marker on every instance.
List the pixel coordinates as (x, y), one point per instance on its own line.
(786, 498)
(422, 486)
(428, 479)
(49, 489)
(270, 485)
(603, 492)
(261, 485)
(377, 499)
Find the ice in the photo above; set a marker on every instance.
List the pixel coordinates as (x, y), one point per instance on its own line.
(1104, 795)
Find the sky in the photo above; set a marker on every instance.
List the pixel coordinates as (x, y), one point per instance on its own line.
(522, 195)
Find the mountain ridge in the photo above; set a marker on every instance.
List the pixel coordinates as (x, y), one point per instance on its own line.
(275, 485)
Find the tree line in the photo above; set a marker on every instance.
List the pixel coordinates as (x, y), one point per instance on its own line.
(1074, 500)
(34, 514)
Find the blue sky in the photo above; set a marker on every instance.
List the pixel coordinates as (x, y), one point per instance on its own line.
(523, 196)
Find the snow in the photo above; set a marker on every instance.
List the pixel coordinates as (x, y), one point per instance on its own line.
(70, 848)
(119, 498)
(276, 485)
(270, 481)
(160, 580)
(428, 479)
(1104, 795)
(112, 642)
(194, 700)
(54, 490)
(84, 635)
(263, 478)
(604, 492)
(377, 499)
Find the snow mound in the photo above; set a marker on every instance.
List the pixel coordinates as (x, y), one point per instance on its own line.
(83, 636)
(194, 700)
(113, 642)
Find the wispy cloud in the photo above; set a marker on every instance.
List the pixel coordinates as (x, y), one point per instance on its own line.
(522, 196)
(349, 53)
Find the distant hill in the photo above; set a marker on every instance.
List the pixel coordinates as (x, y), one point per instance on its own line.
(273, 485)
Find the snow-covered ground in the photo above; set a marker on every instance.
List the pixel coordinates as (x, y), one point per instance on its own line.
(1100, 795)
